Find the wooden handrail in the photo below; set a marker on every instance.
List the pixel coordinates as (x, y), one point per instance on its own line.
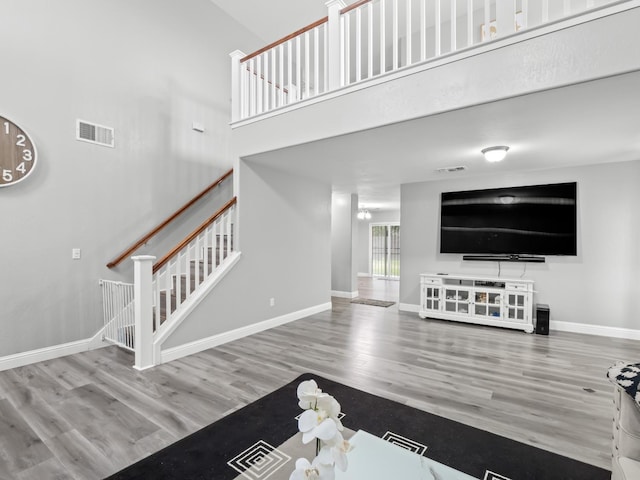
(285, 39)
(353, 6)
(159, 227)
(160, 263)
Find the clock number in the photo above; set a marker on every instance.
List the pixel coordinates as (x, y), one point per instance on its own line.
(7, 175)
(6, 128)
(21, 138)
(27, 155)
(21, 168)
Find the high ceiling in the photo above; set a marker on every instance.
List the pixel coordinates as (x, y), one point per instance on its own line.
(583, 124)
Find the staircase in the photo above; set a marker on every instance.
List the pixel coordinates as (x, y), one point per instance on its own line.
(198, 271)
(141, 316)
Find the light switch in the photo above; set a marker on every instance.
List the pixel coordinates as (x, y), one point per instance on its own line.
(75, 253)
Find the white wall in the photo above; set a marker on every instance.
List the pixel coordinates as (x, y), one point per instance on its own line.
(148, 68)
(597, 287)
(362, 248)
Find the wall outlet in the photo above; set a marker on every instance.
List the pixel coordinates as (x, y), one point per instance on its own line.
(75, 253)
(272, 302)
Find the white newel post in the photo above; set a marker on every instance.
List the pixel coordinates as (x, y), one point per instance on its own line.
(505, 17)
(236, 91)
(334, 53)
(143, 298)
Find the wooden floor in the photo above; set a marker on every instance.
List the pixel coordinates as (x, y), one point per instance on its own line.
(88, 415)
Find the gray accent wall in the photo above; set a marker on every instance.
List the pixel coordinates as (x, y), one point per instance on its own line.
(597, 287)
(148, 68)
(344, 238)
(285, 224)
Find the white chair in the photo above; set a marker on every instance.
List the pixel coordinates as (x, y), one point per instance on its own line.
(626, 437)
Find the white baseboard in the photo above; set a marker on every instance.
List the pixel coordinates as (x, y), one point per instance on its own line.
(408, 307)
(364, 274)
(337, 293)
(196, 346)
(601, 330)
(49, 353)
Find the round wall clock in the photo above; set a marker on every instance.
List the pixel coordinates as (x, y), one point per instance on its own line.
(17, 153)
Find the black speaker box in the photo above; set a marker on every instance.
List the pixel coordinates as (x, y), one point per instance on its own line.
(542, 319)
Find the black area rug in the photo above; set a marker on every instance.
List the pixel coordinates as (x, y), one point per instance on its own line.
(271, 419)
(375, 303)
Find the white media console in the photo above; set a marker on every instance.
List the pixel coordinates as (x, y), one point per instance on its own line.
(499, 302)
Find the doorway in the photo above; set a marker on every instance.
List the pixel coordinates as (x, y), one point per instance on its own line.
(385, 250)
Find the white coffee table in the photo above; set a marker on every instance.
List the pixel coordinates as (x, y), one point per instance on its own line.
(373, 458)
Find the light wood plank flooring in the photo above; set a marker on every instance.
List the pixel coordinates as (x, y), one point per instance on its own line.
(88, 415)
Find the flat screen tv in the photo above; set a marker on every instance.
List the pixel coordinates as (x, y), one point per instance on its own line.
(529, 220)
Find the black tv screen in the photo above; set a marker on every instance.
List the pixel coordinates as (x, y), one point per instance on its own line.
(529, 220)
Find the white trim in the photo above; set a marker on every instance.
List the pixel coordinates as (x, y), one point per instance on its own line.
(196, 346)
(602, 330)
(408, 307)
(364, 274)
(49, 353)
(337, 293)
(191, 303)
(555, 325)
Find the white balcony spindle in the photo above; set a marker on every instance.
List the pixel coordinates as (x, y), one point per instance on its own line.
(383, 27)
(298, 69)
(470, 23)
(545, 11)
(423, 30)
(307, 63)
(259, 89)
(281, 85)
(566, 8)
(264, 78)
(290, 71)
(408, 34)
(358, 45)
(316, 61)
(454, 27)
(274, 80)
(236, 85)
(395, 33)
(438, 24)
(487, 20)
(326, 58)
(347, 48)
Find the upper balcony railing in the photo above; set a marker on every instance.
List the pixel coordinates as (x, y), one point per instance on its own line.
(370, 38)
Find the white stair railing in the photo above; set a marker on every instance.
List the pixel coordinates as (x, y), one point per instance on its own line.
(177, 280)
(372, 37)
(118, 312)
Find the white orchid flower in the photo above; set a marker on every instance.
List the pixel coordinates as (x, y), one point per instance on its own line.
(335, 451)
(316, 424)
(312, 471)
(332, 407)
(309, 394)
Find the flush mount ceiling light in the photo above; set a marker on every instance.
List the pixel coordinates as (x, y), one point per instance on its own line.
(364, 214)
(495, 154)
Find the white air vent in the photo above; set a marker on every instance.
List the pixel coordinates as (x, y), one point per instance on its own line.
(459, 168)
(94, 133)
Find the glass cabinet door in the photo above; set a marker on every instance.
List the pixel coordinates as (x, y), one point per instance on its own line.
(431, 298)
(516, 306)
(456, 300)
(487, 303)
